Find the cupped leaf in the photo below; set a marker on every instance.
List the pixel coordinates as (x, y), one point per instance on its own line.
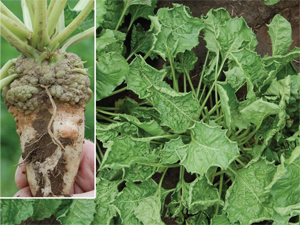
(200, 218)
(280, 31)
(202, 195)
(173, 151)
(138, 172)
(246, 200)
(209, 147)
(176, 30)
(113, 13)
(185, 62)
(134, 199)
(110, 41)
(107, 192)
(220, 220)
(40, 205)
(80, 212)
(142, 10)
(177, 110)
(14, 211)
(285, 187)
(124, 151)
(111, 71)
(235, 78)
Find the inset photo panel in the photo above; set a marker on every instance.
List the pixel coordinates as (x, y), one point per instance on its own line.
(47, 99)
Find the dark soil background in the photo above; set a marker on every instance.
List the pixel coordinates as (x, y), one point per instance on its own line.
(257, 15)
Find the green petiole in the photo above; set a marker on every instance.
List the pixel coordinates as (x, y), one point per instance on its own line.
(6, 67)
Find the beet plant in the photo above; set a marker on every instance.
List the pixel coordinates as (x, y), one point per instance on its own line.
(46, 89)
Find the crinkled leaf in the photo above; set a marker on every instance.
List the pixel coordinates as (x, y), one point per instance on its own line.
(199, 219)
(173, 151)
(179, 201)
(141, 41)
(220, 220)
(246, 200)
(106, 132)
(176, 30)
(142, 11)
(271, 2)
(101, 11)
(213, 21)
(148, 211)
(209, 147)
(70, 14)
(40, 205)
(138, 172)
(225, 35)
(111, 71)
(14, 211)
(141, 76)
(80, 212)
(107, 191)
(229, 102)
(286, 188)
(177, 110)
(258, 110)
(132, 197)
(110, 41)
(151, 127)
(202, 195)
(185, 62)
(280, 31)
(235, 78)
(114, 10)
(124, 151)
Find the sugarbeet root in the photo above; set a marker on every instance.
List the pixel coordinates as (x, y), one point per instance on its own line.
(47, 102)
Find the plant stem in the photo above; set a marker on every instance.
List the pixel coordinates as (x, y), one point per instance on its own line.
(202, 74)
(78, 38)
(73, 25)
(191, 83)
(105, 118)
(133, 18)
(7, 80)
(203, 91)
(161, 179)
(6, 67)
(53, 16)
(213, 109)
(21, 31)
(220, 192)
(118, 91)
(28, 14)
(99, 150)
(147, 55)
(240, 162)
(123, 14)
(107, 113)
(108, 108)
(21, 46)
(184, 83)
(206, 114)
(171, 60)
(40, 37)
(216, 79)
(170, 136)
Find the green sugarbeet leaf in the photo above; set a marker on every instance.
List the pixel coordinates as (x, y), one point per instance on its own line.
(113, 14)
(177, 110)
(111, 70)
(106, 132)
(101, 11)
(285, 187)
(107, 192)
(14, 211)
(271, 2)
(142, 11)
(209, 147)
(235, 78)
(246, 200)
(280, 31)
(79, 212)
(40, 205)
(173, 151)
(198, 219)
(110, 41)
(151, 127)
(220, 220)
(176, 30)
(138, 172)
(124, 151)
(141, 41)
(202, 195)
(134, 199)
(185, 62)
(225, 35)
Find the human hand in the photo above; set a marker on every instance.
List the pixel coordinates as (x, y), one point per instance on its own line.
(84, 182)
